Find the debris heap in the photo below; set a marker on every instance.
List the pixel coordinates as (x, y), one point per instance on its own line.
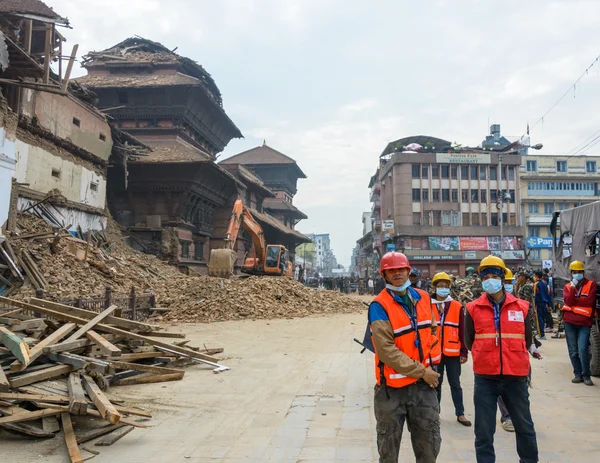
(467, 289)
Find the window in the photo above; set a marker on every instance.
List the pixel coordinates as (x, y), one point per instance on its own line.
(474, 196)
(494, 218)
(185, 249)
(425, 196)
(76, 122)
(56, 173)
(455, 219)
(482, 173)
(437, 218)
(466, 219)
(590, 167)
(505, 218)
(534, 231)
(454, 172)
(511, 173)
(493, 173)
(535, 254)
(445, 171)
(465, 196)
(454, 195)
(446, 218)
(475, 219)
(446, 195)
(425, 170)
(562, 206)
(484, 219)
(416, 218)
(259, 204)
(503, 172)
(102, 136)
(512, 219)
(93, 186)
(435, 171)
(464, 172)
(483, 196)
(512, 196)
(493, 196)
(415, 170)
(436, 196)
(561, 166)
(416, 192)
(533, 208)
(198, 250)
(548, 208)
(531, 166)
(473, 172)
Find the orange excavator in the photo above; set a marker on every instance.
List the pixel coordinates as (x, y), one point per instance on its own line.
(268, 259)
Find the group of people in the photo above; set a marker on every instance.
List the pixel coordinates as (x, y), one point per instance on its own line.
(419, 337)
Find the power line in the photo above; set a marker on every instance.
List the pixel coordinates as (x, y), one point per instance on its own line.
(583, 142)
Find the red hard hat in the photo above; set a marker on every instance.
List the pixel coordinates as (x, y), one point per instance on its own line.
(393, 260)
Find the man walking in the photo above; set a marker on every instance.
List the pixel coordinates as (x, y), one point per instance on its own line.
(402, 324)
(578, 313)
(497, 332)
(541, 303)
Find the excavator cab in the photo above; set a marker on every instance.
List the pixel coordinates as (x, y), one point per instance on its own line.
(275, 262)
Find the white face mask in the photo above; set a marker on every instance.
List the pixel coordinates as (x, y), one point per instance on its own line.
(509, 288)
(492, 285)
(577, 276)
(398, 288)
(442, 292)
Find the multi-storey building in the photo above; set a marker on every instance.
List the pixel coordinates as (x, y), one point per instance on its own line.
(550, 183)
(441, 204)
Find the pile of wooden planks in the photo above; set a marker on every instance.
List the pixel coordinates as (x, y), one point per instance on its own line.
(62, 364)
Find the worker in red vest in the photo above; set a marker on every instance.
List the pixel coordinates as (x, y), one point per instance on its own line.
(498, 333)
(450, 316)
(402, 332)
(578, 313)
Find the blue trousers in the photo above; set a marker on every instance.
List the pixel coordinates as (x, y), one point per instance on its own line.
(452, 367)
(578, 341)
(515, 395)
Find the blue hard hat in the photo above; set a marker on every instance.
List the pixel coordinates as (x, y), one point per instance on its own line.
(414, 272)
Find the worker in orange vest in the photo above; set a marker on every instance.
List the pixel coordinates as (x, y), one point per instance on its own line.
(578, 314)
(499, 335)
(406, 349)
(450, 316)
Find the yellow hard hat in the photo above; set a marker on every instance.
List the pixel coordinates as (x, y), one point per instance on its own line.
(508, 275)
(576, 265)
(491, 261)
(440, 276)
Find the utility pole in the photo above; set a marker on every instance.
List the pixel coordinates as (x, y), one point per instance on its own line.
(501, 205)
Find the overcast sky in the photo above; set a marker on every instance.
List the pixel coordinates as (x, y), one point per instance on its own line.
(331, 82)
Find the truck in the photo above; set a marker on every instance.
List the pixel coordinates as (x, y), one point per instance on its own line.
(576, 236)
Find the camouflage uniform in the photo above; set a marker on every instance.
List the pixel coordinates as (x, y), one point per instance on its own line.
(525, 292)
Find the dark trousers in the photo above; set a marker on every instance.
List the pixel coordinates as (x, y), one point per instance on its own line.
(505, 416)
(549, 320)
(540, 308)
(452, 367)
(578, 341)
(416, 404)
(515, 395)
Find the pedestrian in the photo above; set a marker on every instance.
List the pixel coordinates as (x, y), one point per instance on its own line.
(415, 280)
(505, 420)
(371, 286)
(498, 334)
(450, 316)
(578, 313)
(541, 302)
(402, 330)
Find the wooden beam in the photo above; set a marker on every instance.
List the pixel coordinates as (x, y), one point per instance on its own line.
(114, 437)
(47, 51)
(144, 368)
(144, 379)
(77, 402)
(30, 378)
(163, 334)
(104, 345)
(38, 349)
(70, 439)
(106, 409)
(143, 355)
(16, 345)
(31, 431)
(94, 433)
(110, 329)
(80, 362)
(30, 416)
(4, 384)
(96, 413)
(33, 397)
(66, 346)
(65, 83)
(89, 325)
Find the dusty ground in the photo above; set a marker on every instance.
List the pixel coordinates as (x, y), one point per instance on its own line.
(299, 391)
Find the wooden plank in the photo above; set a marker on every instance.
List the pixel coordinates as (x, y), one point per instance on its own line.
(88, 315)
(65, 82)
(30, 378)
(77, 402)
(143, 355)
(96, 413)
(23, 325)
(104, 345)
(66, 346)
(95, 433)
(106, 409)
(24, 397)
(163, 334)
(4, 384)
(82, 363)
(28, 430)
(37, 350)
(50, 424)
(30, 416)
(143, 379)
(70, 439)
(16, 345)
(144, 368)
(110, 329)
(89, 325)
(114, 437)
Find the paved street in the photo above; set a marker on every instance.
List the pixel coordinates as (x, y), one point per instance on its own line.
(299, 391)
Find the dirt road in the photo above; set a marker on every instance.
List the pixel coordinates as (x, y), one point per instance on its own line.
(299, 391)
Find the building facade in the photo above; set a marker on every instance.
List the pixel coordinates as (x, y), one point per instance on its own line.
(552, 183)
(440, 205)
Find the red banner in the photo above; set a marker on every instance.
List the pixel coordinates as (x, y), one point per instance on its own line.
(473, 243)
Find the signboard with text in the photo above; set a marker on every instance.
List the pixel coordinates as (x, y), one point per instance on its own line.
(463, 158)
(510, 255)
(473, 243)
(535, 242)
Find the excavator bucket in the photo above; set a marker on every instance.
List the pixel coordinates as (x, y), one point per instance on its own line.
(221, 263)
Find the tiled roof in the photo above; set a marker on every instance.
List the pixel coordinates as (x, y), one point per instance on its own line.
(262, 155)
(150, 80)
(172, 151)
(276, 204)
(266, 219)
(33, 7)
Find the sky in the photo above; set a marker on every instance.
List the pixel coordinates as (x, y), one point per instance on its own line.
(331, 82)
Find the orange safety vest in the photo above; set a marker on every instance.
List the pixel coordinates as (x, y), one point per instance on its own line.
(450, 324)
(419, 344)
(499, 351)
(583, 292)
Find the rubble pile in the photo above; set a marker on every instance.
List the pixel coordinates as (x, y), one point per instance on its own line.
(466, 289)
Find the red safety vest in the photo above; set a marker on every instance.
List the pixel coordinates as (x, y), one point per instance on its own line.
(449, 327)
(499, 351)
(427, 350)
(580, 293)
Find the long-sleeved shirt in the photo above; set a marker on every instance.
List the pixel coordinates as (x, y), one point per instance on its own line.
(588, 301)
(541, 293)
(464, 352)
(383, 337)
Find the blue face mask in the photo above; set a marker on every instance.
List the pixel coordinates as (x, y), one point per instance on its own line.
(492, 285)
(398, 288)
(577, 276)
(509, 288)
(442, 292)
